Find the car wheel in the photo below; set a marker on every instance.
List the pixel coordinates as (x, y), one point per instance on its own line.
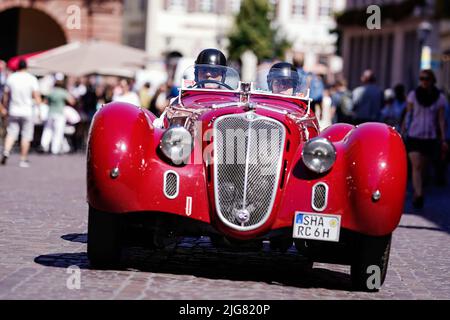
(370, 262)
(104, 239)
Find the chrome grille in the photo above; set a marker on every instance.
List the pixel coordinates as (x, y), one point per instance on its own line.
(247, 164)
(320, 194)
(171, 184)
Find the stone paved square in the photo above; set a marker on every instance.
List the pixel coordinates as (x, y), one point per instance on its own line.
(43, 232)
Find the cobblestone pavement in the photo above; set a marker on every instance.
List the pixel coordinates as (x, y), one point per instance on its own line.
(43, 223)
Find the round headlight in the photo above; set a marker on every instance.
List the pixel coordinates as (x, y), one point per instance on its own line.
(319, 155)
(176, 144)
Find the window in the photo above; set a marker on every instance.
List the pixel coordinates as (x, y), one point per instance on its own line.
(206, 6)
(235, 6)
(325, 8)
(177, 5)
(299, 8)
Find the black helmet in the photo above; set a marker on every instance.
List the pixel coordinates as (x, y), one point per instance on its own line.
(211, 59)
(284, 70)
(211, 56)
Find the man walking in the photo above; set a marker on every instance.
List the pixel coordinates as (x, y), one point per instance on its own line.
(367, 99)
(21, 87)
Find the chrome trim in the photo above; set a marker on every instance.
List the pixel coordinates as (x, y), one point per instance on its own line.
(165, 184)
(313, 195)
(277, 171)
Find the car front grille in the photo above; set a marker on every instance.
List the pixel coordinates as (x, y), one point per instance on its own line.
(248, 151)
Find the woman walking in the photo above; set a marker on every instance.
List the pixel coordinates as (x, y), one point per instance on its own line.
(424, 128)
(54, 127)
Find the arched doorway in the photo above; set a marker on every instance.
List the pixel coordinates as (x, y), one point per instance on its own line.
(26, 30)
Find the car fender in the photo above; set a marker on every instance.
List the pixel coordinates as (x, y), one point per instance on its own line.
(373, 172)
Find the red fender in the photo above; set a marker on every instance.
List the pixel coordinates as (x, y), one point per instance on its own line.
(376, 160)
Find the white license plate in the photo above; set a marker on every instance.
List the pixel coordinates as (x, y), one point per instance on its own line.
(316, 226)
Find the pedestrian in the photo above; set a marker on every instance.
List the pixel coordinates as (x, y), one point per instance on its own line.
(160, 100)
(342, 103)
(367, 99)
(391, 114)
(444, 157)
(145, 96)
(298, 62)
(400, 100)
(3, 111)
(21, 88)
(425, 132)
(3, 78)
(56, 121)
(317, 88)
(326, 110)
(126, 94)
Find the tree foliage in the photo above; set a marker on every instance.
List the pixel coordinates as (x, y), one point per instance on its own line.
(253, 30)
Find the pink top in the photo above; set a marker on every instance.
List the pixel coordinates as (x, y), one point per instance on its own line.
(424, 121)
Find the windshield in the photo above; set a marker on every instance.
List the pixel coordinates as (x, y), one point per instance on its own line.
(282, 81)
(205, 76)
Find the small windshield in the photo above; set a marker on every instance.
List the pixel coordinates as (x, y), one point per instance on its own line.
(205, 76)
(284, 82)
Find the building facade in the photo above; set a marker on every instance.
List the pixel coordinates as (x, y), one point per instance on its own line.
(187, 26)
(409, 38)
(134, 23)
(28, 26)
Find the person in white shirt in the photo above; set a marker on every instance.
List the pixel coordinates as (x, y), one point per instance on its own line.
(126, 94)
(21, 88)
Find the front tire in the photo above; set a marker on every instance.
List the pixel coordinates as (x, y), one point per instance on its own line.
(104, 239)
(370, 262)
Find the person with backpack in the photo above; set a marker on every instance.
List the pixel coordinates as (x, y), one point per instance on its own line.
(342, 103)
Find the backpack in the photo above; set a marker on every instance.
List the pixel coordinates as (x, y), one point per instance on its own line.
(346, 104)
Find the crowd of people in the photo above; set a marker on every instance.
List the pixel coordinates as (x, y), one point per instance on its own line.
(53, 114)
(420, 116)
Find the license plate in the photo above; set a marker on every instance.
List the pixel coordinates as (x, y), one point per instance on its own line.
(316, 226)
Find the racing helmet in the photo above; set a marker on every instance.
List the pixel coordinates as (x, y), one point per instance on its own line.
(284, 70)
(211, 57)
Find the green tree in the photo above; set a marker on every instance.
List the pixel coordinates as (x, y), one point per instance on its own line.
(253, 31)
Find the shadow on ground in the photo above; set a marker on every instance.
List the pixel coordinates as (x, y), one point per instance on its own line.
(197, 257)
(436, 208)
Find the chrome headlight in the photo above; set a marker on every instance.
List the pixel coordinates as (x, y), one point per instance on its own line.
(319, 155)
(176, 144)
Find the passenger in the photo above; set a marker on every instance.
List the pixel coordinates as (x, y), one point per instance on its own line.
(283, 78)
(210, 69)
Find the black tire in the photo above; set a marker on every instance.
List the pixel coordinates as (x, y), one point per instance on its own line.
(370, 251)
(104, 239)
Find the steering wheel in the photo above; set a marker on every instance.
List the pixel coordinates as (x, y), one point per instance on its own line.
(198, 84)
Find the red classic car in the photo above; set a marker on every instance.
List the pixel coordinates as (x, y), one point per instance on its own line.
(244, 165)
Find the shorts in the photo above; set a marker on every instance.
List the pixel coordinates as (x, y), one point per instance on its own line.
(427, 147)
(22, 125)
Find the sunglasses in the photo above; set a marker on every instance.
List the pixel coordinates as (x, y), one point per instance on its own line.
(211, 72)
(424, 79)
(283, 83)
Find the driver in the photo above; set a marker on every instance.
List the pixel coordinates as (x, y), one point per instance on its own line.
(210, 67)
(283, 78)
